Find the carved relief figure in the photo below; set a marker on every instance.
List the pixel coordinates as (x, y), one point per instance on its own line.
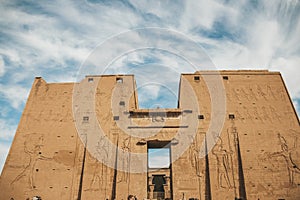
(125, 160)
(100, 169)
(194, 157)
(32, 147)
(223, 165)
(287, 154)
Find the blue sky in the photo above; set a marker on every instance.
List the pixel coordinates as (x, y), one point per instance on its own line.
(159, 158)
(53, 38)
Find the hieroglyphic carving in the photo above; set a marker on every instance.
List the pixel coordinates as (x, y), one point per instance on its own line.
(261, 114)
(266, 115)
(261, 93)
(255, 92)
(280, 93)
(32, 147)
(274, 113)
(246, 113)
(239, 116)
(251, 94)
(257, 114)
(270, 92)
(244, 94)
(223, 164)
(289, 156)
(236, 94)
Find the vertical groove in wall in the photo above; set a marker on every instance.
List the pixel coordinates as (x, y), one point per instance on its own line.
(81, 175)
(114, 186)
(129, 169)
(171, 173)
(207, 176)
(242, 188)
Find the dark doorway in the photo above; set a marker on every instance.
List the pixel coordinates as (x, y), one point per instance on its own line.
(158, 181)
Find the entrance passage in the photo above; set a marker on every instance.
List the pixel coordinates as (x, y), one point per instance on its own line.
(158, 158)
(158, 181)
(159, 170)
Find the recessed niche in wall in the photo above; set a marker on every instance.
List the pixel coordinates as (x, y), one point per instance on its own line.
(200, 116)
(231, 116)
(116, 118)
(85, 119)
(119, 80)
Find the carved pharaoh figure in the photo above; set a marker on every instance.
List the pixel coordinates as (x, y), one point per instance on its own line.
(124, 160)
(32, 147)
(99, 175)
(287, 153)
(194, 158)
(223, 165)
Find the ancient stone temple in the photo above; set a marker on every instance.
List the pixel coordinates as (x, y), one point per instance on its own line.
(234, 135)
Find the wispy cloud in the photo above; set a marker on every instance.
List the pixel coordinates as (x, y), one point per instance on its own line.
(14, 94)
(7, 130)
(2, 66)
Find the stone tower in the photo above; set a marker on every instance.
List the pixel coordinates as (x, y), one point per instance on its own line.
(234, 135)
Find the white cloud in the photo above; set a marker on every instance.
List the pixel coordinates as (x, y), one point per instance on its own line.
(2, 66)
(7, 130)
(199, 13)
(15, 94)
(288, 68)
